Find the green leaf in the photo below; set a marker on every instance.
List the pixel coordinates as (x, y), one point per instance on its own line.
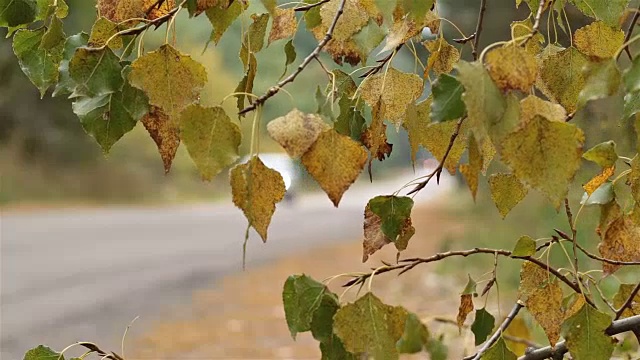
(437, 349)
(322, 319)
(525, 246)
(562, 76)
(545, 155)
(482, 325)
(42, 352)
(350, 122)
(369, 37)
(290, 53)
(103, 30)
(66, 85)
(604, 194)
(370, 326)
(394, 212)
(302, 296)
(499, 351)
(253, 40)
(14, 13)
(221, 18)
(170, 79)
(631, 104)
(506, 192)
(470, 288)
(484, 101)
(584, 334)
(631, 76)
(108, 117)
(603, 154)
(211, 139)
(54, 39)
(96, 72)
(38, 62)
(447, 99)
(602, 80)
(45, 8)
(334, 350)
(246, 84)
(415, 336)
(609, 11)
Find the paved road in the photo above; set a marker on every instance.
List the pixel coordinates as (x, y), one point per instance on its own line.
(73, 275)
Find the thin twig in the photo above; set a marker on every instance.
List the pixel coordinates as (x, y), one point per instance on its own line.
(382, 62)
(627, 37)
(536, 24)
(476, 34)
(408, 264)
(438, 170)
(617, 327)
(275, 89)
(310, 6)
(628, 302)
(496, 335)
(94, 348)
(574, 232)
(465, 40)
(594, 256)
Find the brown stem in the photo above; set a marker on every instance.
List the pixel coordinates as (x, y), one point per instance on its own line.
(594, 256)
(636, 15)
(381, 63)
(310, 6)
(476, 34)
(628, 302)
(275, 89)
(574, 232)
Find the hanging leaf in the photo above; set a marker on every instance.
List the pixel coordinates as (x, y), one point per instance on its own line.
(525, 246)
(542, 295)
(562, 76)
(256, 190)
(245, 87)
(499, 351)
(624, 292)
(102, 31)
(584, 334)
(533, 105)
(302, 297)
(447, 99)
(471, 171)
(14, 13)
(598, 40)
(171, 80)
(608, 11)
(153, 12)
(415, 336)
(221, 17)
(506, 191)
(296, 131)
(66, 84)
(211, 139)
(284, 25)
(334, 161)
(42, 352)
(387, 219)
(40, 63)
(598, 180)
(466, 302)
(164, 133)
(512, 67)
(603, 154)
(482, 325)
(619, 242)
(395, 90)
(602, 80)
(545, 155)
(524, 28)
(370, 326)
(442, 56)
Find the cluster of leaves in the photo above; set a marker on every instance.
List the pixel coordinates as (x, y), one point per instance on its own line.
(510, 107)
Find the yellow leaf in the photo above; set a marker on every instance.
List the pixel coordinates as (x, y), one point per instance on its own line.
(518, 329)
(442, 56)
(524, 28)
(164, 133)
(434, 137)
(170, 79)
(374, 137)
(352, 20)
(157, 11)
(619, 242)
(296, 131)
(545, 155)
(211, 138)
(120, 10)
(562, 76)
(622, 295)
(395, 89)
(512, 67)
(471, 171)
(542, 296)
(335, 161)
(466, 306)
(103, 29)
(284, 24)
(598, 180)
(256, 189)
(533, 105)
(598, 40)
(506, 191)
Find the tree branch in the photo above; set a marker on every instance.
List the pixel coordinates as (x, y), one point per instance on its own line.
(275, 89)
(382, 62)
(594, 256)
(628, 302)
(476, 34)
(505, 324)
(574, 232)
(438, 171)
(634, 20)
(310, 6)
(536, 24)
(617, 327)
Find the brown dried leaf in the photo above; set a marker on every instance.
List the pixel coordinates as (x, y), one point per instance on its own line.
(164, 133)
(471, 171)
(374, 137)
(284, 24)
(621, 242)
(542, 296)
(466, 306)
(374, 237)
(512, 67)
(160, 11)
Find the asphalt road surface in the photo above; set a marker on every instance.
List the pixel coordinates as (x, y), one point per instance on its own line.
(71, 275)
